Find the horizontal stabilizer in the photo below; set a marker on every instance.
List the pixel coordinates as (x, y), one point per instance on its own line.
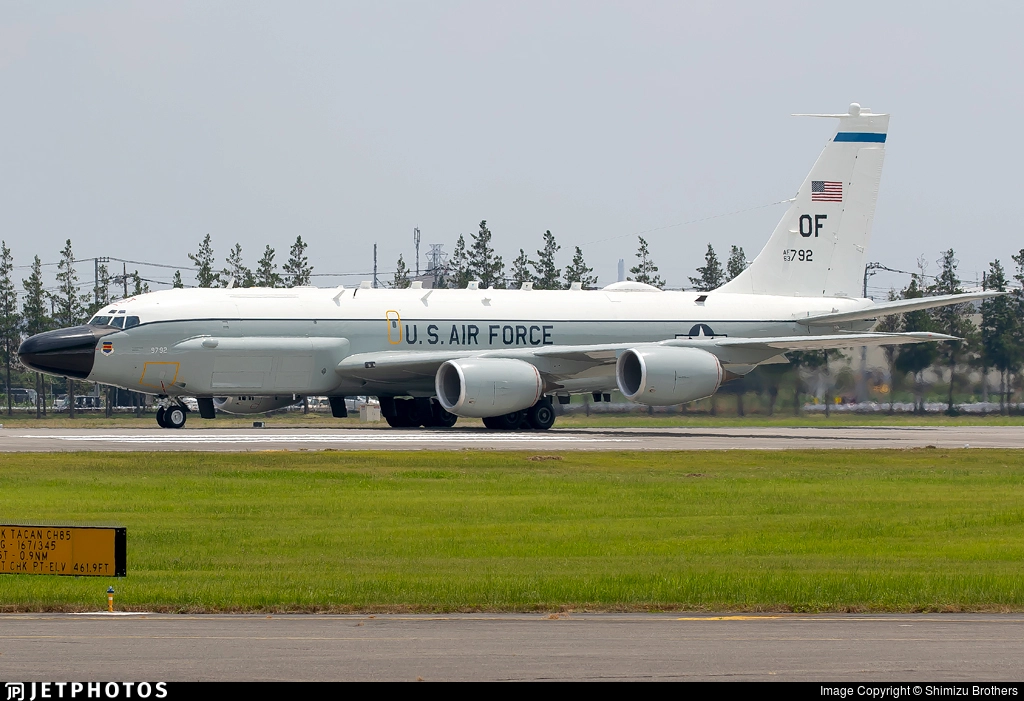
(898, 306)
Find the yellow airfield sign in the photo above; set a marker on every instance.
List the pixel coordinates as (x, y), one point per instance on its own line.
(65, 550)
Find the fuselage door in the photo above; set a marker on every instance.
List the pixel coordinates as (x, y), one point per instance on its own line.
(394, 327)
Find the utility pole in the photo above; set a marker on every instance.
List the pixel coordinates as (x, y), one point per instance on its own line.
(375, 266)
(862, 380)
(124, 279)
(416, 240)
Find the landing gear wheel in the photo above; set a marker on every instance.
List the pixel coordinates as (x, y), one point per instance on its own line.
(505, 422)
(403, 418)
(442, 418)
(174, 417)
(541, 415)
(160, 417)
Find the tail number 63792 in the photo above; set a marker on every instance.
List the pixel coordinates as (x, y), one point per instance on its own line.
(803, 255)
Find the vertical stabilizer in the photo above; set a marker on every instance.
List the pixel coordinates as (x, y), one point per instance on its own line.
(818, 247)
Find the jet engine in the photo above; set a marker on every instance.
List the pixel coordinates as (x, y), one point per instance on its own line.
(254, 404)
(663, 376)
(483, 387)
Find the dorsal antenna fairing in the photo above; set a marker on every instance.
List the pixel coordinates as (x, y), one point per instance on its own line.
(855, 111)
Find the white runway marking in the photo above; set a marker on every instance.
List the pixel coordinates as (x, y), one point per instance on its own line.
(335, 438)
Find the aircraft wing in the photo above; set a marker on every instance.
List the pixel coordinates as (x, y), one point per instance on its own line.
(559, 361)
(898, 306)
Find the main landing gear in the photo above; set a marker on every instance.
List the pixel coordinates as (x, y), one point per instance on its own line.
(172, 416)
(411, 413)
(541, 417)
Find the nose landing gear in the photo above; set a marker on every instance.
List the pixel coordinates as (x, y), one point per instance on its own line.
(172, 416)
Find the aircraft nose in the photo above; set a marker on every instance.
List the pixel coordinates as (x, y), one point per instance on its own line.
(69, 352)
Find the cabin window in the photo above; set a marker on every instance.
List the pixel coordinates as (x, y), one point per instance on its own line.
(99, 321)
(117, 322)
(131, 321)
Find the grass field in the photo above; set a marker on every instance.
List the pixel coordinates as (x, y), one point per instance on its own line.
(455, 531)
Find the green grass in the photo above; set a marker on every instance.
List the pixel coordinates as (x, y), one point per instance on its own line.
(456, 531)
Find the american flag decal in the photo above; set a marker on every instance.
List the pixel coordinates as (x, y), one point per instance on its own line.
(826, 191)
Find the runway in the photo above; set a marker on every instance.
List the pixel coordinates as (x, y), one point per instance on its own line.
(921, 648)
(736, 438)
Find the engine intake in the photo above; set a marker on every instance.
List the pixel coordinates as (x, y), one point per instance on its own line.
(663, 376)
(483, 387)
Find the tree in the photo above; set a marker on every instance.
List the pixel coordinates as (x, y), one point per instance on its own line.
(236, 270)
(266, 270)
(458, 266)
(1000, 330)
(645, 270)
(35, 318)
(10, 319)
(577, 271)
(69, 304)
(401, 280)
(298, 269)
(484, 264)
(736, 264)
(205, 275)
(891, 324)
(914, 358)
(176, 282)
(710, 276)
(547, 275)
(952, 319)
(138, 286)
(520, 272)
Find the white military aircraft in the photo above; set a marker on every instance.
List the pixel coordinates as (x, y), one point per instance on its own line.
(433, 355)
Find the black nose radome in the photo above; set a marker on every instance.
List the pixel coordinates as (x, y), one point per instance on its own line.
(69, 352)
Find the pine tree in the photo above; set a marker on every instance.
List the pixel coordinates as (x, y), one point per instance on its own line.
(952, 319)
(646, 271)
(1000, 330)
(205, 275)
(10, 319)
(547, 277)
(484, 264)
(401, 280)
(710, 276)
(520, 272)
(236, 270)
(577, 271)
(69, 305)
(298, 269)
(915, 358)
(736, 264)
(176, 282)
(138, 286)
(35, 318)
(266, 270)
(458, 266)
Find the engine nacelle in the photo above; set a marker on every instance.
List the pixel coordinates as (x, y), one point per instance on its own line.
(254, 404)
(663, 376)
(482, 387)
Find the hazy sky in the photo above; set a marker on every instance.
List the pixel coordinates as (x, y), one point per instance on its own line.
(137, 128)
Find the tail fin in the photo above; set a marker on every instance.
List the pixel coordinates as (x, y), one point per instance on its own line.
(817, 250)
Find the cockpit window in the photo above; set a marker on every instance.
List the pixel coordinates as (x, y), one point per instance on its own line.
(119, 322)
